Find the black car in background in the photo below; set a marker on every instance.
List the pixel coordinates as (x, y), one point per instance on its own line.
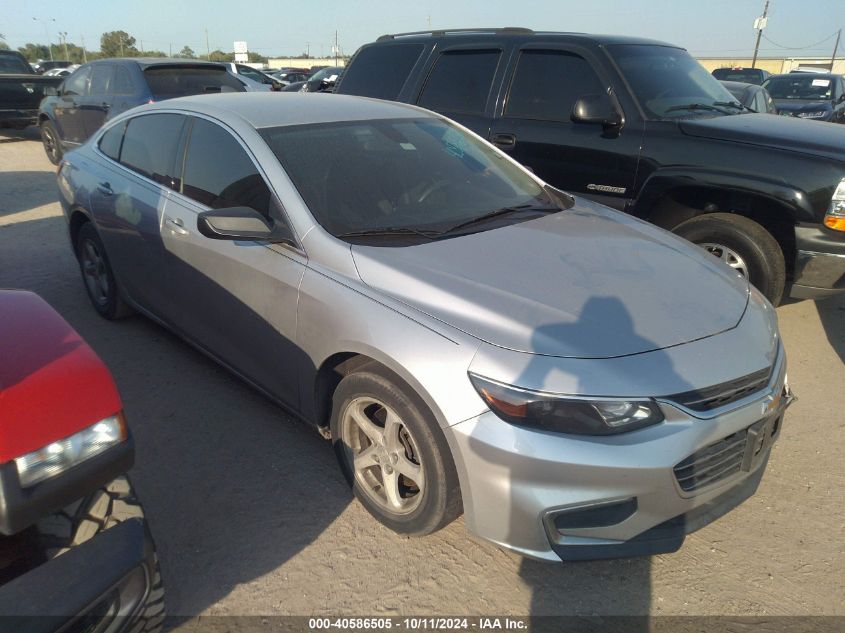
(744, 75)
(752, 96)
(21, 90)
(642, 127)
(43, 66)
(321, 81)
(814, 96)
(104, 88)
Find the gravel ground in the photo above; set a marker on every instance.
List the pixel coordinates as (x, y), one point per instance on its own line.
(252, 516)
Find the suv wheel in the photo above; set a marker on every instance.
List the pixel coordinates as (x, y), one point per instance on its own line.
(83, 520)
(98, 276)
(743, 245)
(393, 455)
(52, 145)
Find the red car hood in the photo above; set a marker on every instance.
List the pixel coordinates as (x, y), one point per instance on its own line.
(51, 383)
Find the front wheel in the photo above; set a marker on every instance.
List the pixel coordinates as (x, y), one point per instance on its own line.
(743, 245)
(393, 455)
(50, 140)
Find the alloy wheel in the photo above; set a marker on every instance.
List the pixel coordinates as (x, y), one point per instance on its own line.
(95, 273)
(728, 256)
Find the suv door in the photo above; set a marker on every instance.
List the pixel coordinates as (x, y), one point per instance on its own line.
(459, 84)
(96, 104)
(236, 299)
(129, 200)
(67, 110)
(534, 126)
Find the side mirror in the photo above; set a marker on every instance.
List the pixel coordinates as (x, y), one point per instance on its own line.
(596, 108)
(241, 223)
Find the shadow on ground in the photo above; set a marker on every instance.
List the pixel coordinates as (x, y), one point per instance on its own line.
(832, 315)
(25, 190)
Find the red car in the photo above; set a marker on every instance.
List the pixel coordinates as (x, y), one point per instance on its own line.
(74, 543)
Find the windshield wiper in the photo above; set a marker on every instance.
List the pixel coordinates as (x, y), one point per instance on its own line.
(699, 106)
(733, 104)
(391, 230)
(503, 211)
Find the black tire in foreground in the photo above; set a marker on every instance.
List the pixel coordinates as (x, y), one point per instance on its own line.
(84, 519)
(395, 445)
(98, 276)
(50, 139)
(742, 243)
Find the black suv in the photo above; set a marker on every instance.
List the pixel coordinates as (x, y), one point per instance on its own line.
(642, 127)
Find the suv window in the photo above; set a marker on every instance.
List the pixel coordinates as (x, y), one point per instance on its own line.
(122, 84)
(77, 84)
(381, 71)
(216, 183)
(149, 146)
(166, 82)
(547, 84)
(101, 75)
(111, 140)
(460, 81)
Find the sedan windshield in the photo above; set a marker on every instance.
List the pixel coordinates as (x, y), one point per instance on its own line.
(797, 86)
(669, 83)
(415, 178)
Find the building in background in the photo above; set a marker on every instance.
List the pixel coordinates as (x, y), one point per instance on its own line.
(774, 65)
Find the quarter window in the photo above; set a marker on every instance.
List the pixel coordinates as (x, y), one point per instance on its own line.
(122, 81)
(149, 147)
(110, 141)
(460, 81)
(547, 84)
(219, 173)
(77, 84)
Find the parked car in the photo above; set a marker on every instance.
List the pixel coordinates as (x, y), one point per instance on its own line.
(809, 96)
(321, 81)
(101, 89)
(743, 75)
(810, 69)
(754, 97)
(260, 79)
(75, 550)
(642, 127)
(42, 66)
(61, 72)
(287, 77)
(387, 275)
(21, 90)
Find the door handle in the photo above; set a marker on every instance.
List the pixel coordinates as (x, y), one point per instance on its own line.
(176, 225)
(105, 106)
(505, 141)
(105, 188)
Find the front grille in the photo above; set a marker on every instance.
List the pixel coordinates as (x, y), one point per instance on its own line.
(714, 463)
(709, 398)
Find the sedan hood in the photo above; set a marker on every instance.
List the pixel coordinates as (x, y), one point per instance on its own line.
(765, 130)
(584, 283)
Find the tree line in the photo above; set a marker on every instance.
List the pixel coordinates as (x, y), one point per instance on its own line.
(115, 44)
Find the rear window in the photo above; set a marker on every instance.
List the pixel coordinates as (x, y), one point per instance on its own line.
(745, 76)
(12, 64)
(380, 71)
(166, 82)
(460, 82)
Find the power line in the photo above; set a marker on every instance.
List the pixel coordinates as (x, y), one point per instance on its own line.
(800, 48)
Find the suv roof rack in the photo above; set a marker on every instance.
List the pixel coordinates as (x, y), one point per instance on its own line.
(504, 31)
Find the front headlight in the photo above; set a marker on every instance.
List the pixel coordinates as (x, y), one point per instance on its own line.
(57, 457)
(815, 114)
(835, 218)
(566, 414)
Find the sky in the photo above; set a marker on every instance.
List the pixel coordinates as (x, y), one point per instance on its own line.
(272, 27)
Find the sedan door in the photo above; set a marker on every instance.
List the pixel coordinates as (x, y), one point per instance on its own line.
(67, 111)
(236, 299)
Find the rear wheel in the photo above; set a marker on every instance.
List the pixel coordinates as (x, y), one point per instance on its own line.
(743, 245)
(98, 276)
(394, 455)
(50, 139)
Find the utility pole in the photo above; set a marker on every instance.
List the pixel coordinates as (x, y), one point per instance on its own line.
(335, 48)
(307, 49)
(835, 47)
(63, 35)
(47, 33)
(170, 49)
(84, 54)
(759, 24)
(207, 47)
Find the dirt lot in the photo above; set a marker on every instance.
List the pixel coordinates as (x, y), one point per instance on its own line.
(252, 516)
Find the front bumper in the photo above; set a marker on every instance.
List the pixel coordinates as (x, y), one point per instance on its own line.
(619, 495)
(103, 583)
(819, 263)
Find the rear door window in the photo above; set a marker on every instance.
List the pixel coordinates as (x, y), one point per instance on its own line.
(380, 71)
(150, 147)
(460, 81)
(547, 83)
(166, 82)
(101, 75)
(216, 182)
(122, 84)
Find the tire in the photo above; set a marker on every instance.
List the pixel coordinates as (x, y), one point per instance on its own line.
(97, 275)
(51, 142)
(84, 519)
(755, 247)
(420, 442)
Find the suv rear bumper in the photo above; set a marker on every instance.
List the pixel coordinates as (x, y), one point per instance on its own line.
(18, 118)
(819, 264)
(110, 574)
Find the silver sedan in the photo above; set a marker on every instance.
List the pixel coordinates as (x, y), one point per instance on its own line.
(580, 384)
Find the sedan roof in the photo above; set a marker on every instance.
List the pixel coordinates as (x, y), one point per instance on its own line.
(273, 109)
